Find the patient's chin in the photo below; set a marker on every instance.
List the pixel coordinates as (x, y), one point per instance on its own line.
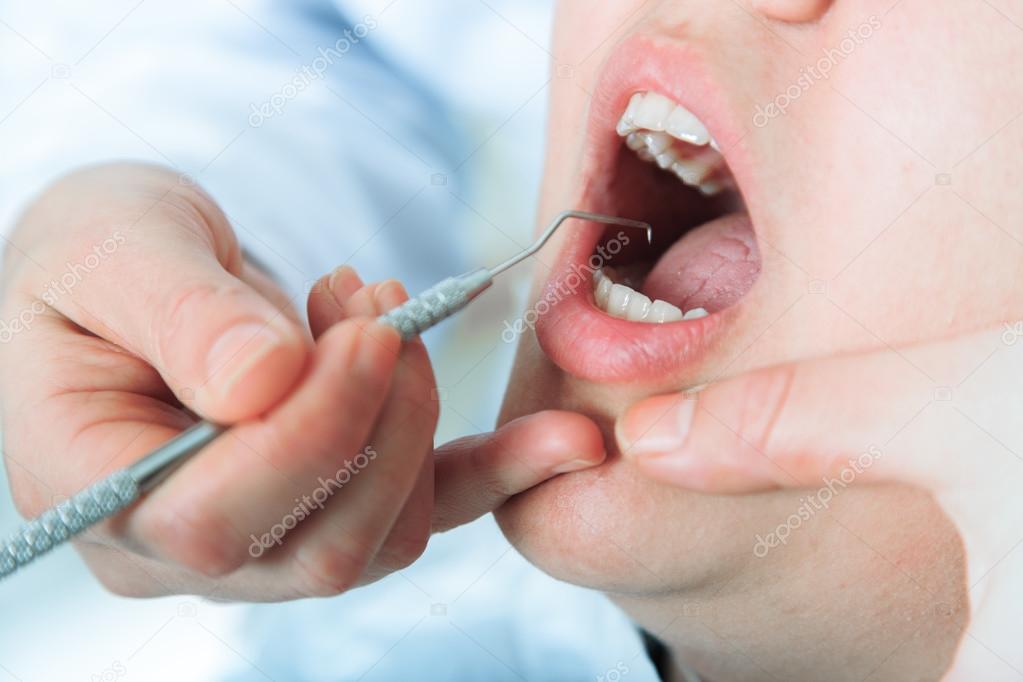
(611, 529)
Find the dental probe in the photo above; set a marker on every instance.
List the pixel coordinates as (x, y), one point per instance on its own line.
(123, 487)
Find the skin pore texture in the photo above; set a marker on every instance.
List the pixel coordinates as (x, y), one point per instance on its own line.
(880, 213)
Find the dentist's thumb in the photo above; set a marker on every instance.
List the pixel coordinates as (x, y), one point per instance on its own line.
(214, 333)
(173, 289)
(800, 426)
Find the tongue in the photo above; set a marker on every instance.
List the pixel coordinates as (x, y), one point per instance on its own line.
(709, 267)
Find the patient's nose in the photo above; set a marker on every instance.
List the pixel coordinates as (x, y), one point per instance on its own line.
(792, 10)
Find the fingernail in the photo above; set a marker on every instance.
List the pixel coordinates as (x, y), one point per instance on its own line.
(343, 282)
(238, 350)
(656, 425)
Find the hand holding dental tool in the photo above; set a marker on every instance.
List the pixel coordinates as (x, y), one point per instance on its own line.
(123, 487)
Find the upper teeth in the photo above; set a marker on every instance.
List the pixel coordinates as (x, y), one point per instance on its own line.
(652, 123)
(652, 111)
(620, 300)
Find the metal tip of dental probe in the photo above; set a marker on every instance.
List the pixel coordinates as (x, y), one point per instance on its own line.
(556, 223)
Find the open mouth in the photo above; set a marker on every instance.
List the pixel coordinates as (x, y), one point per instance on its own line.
(671, 173)
(653, 309)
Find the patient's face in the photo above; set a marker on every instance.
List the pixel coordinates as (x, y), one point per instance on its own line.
(864, 196)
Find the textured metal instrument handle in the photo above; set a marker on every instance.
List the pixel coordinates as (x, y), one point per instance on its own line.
(437, 303)
(68, 519)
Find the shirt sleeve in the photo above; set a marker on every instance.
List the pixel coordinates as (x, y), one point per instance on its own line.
(319, 149)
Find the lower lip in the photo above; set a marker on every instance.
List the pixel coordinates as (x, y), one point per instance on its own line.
(587, 343)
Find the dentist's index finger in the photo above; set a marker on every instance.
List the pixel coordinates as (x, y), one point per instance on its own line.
(477, 474)
(870, 418)
(159, 274)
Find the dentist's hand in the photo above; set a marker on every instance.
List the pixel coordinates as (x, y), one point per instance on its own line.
(127, 308)
(944, 417)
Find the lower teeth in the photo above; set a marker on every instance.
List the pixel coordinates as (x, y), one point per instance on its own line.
(621, 301)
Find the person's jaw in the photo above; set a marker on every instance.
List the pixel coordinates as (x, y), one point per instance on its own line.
(846, 585)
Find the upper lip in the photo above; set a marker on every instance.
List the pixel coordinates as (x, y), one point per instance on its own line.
(580, 339)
